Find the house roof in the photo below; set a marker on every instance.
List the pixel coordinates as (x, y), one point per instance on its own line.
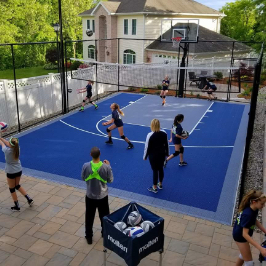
(203, 47)
(155, 6)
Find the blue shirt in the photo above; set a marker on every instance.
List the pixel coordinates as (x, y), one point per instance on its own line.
(89, 88)
(211, 85)
(245, 219)
(117, 118)
(167, 82)
(177, 129)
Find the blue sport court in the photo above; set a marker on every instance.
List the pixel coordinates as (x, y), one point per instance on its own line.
(206, 188)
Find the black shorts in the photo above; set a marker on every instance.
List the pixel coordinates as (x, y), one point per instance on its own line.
(119, 123)
(89, 95)
(165, 88)
(239, 239)
(209, 92)
(176, 140)
(13, 176)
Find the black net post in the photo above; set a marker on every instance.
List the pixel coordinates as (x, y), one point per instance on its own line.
(118, 59)
(182, 71)
(15, 83)
(96, 57)
(252, 114)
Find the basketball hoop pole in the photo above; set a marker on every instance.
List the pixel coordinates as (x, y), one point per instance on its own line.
(182, 71)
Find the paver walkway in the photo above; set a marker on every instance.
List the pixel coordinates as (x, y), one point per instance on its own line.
(51, 232)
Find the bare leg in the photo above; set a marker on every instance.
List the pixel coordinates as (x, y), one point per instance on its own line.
(245, 251)
(177, 148)
(21, 189)
(11, 183)
(111, 128)
(121, 133)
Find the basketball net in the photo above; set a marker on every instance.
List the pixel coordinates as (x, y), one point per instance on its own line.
(176, 41)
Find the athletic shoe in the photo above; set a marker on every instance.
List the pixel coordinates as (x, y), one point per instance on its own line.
(30, 202)
(162, 104)
(109, 142)
(154, 190)
(130, 146)
(89, 239)
(15, 208)
(182, 163)
(96, 107)
(81, 109)
(165, 163)
(159, 186)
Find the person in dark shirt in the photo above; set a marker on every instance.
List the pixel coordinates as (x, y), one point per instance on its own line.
(245, 224)
(176, 136)
(210, 88)
(116, 122)
(164, 91)
(88, 89)
(156, 148)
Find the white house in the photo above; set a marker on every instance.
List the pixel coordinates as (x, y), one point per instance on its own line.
(139, 19)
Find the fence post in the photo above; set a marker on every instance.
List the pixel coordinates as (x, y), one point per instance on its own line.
(118, 59)
(5, 93)
(15, 83)
(252, 114)
(52, 90)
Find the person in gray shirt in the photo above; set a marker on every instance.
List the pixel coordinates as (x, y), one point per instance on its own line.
(96, 174)
(13, 170)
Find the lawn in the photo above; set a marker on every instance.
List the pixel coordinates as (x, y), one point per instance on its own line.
(25, 72)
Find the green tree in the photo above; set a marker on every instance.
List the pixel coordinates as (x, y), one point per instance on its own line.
(240, 20)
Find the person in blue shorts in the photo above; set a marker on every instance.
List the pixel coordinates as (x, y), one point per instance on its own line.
(116, 122)
(88, 89)
(210, 88)
(164, 91)
(176, 137)
(245, 224)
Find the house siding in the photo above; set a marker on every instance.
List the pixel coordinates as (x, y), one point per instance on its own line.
(136, 46)
(85, 37)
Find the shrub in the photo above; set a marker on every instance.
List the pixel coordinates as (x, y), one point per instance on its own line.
(144, 90)
(50, 66)
(131, 89)
(247, 92)
(262, 78)
(67, 64)
(52, 55)
(159, 87)
(245, 72)
(157, 92)
(83, 66)
(75, 65)
(191, 93)
(219, 75)
(198, 95)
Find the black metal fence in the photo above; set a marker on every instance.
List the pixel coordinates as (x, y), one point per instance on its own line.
(251, 121)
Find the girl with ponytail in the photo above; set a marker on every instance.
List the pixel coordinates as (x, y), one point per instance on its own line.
(13, 170)
(116, 122)
(245, 224)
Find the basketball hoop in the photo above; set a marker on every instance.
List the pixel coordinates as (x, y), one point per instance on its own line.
(176, 41)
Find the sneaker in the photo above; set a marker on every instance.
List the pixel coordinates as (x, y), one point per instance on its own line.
(89, 239)
(30, 202)
(81, 109)
(15, 208)
(182, 163)
(154, 190)
(162, 104)
(109, 142)
(130, 146)
(165, 163)
(96, 107)
(159, 186)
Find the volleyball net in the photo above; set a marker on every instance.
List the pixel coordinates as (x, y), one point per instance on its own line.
(150, 75)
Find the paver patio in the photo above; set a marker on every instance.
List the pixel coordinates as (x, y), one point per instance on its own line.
(51, 232)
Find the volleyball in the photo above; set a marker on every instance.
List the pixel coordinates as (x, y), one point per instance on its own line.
(134, 231)
(3, 126)
(147, 226)
(121, 226)
(89, 33)
(185, 134)
(134, 218)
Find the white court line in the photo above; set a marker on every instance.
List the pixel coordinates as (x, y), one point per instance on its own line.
(142, 142)
(130, 103)
(200, 119)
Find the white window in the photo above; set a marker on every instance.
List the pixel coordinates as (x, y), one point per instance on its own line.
(126, 26)
(88, 24)
(93, 25)
(134, 26)
(129, 57)
(91, 51)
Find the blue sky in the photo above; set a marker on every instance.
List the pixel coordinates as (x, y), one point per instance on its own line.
(216, 4)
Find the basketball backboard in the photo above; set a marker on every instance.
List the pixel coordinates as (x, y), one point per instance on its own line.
(187, 29)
